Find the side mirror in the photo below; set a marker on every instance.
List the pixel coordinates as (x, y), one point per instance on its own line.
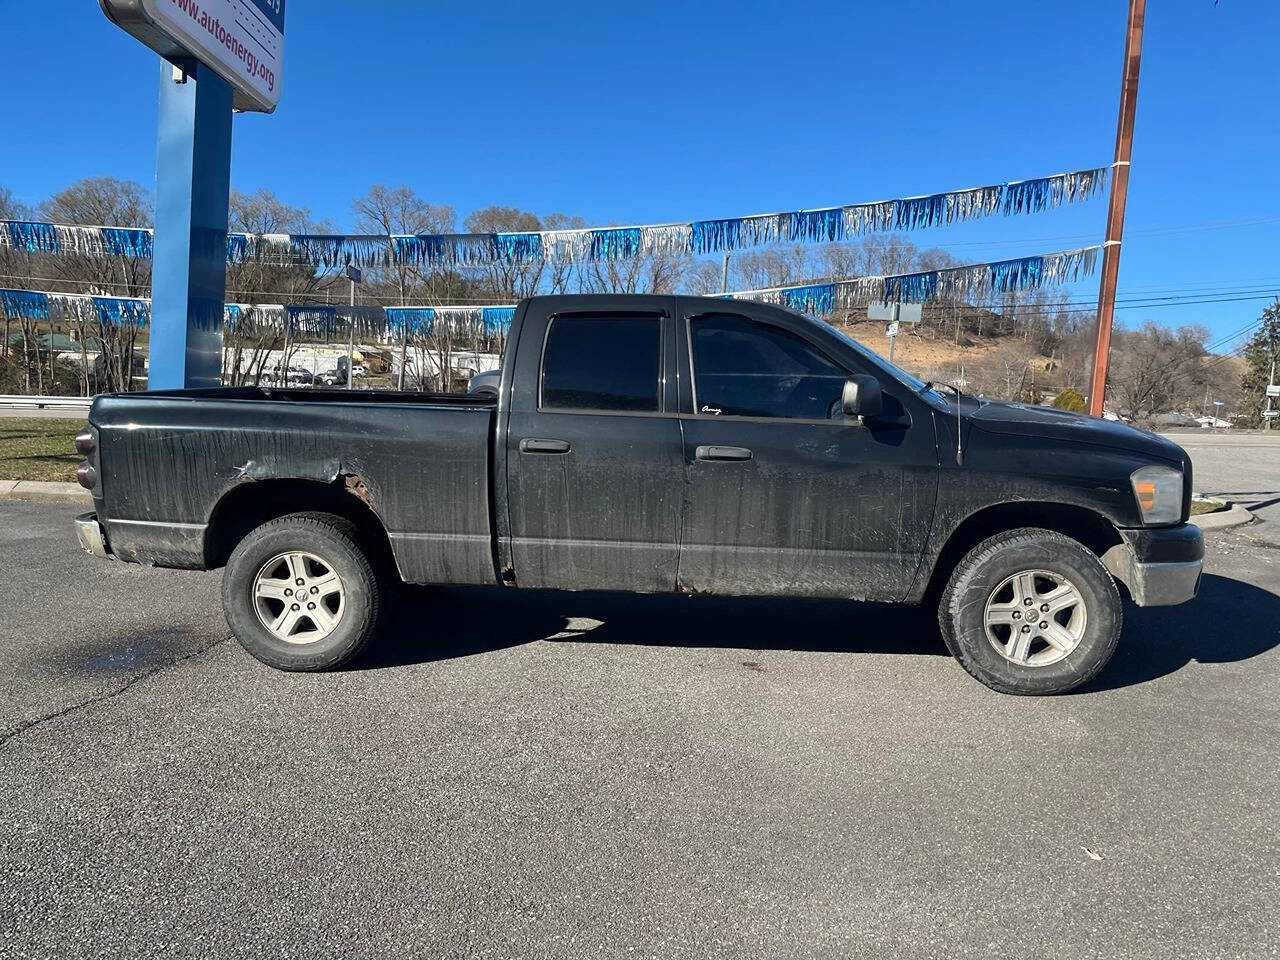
(862, 397)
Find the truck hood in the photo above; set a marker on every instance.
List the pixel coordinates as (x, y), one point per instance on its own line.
(1021, 419)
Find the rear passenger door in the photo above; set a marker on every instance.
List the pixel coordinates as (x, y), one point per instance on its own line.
(595, 470)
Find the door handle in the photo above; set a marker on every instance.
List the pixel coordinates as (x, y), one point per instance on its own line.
(722, 453)
(535, 445)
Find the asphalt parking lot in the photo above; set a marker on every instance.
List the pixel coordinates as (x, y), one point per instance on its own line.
(593, 775)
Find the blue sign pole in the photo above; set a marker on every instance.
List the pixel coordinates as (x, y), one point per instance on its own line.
(193, 174)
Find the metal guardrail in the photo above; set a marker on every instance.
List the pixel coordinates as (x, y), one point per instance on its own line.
(27, 402)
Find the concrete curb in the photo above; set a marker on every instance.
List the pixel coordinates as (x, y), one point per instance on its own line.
(1231, 517)
(44, 491)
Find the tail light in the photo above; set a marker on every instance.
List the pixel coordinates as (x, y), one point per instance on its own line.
(86, 444)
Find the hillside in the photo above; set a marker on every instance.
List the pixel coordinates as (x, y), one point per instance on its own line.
(1006, 366)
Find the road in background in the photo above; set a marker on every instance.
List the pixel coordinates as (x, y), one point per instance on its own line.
(581, 774)
(1240, 467)
(52, 414)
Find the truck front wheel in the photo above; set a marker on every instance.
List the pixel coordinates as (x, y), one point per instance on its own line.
(300, 593)
(1031, 611)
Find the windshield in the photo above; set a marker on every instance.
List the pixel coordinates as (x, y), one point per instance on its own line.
(911, 380)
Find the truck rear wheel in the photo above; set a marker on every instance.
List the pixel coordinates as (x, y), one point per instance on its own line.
(300, 593)
(1031, 611)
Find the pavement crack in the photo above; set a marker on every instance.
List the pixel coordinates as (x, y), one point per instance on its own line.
(103, 697)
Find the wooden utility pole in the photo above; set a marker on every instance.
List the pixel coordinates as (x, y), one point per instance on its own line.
(1115, 212)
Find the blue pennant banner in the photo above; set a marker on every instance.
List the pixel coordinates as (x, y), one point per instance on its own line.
(497, 320)
(127, 242)
(25, 304)
(814, 298)
(32, 237)
(518, 247)
(970, 283)
(410, 321)
(122, 311)
(819, 225)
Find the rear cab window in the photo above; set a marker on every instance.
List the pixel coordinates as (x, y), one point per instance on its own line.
(602, 363)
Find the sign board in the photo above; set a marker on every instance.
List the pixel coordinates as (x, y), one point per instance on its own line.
(879, 310)
(1273, 390)
(240, 40)
(892, 330)
(904, 312)
(1271, 413)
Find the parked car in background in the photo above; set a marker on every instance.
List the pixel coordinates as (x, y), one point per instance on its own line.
(655, 444)
(292, 374)
(486, 383)
(332, 378)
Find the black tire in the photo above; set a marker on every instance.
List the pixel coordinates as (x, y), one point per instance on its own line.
(336, 543)
(962, 612)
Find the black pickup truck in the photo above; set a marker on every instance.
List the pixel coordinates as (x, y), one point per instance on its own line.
(655, 444)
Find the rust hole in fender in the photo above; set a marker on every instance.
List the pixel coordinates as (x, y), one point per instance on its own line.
(355, 485)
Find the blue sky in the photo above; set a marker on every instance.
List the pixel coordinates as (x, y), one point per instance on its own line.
(637, 113)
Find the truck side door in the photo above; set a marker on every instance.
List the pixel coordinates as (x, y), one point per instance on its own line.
(594, 464)
(786, 494)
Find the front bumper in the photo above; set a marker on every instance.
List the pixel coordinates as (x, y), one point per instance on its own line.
(93, 539)
(1161, 566)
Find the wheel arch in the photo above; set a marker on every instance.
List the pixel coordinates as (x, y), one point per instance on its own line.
(249, 505)
(1088, 527)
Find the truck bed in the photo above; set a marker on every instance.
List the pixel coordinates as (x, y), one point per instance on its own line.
(170, 461)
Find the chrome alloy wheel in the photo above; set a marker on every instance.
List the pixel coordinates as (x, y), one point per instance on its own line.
(298, 597)
(1035, 618)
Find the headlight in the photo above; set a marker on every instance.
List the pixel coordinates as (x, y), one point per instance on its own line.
(1158, 491)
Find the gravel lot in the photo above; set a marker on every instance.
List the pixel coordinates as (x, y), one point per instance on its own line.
(594, 775)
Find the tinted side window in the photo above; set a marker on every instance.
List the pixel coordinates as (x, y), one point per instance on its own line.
(749, 369)
(602, 363)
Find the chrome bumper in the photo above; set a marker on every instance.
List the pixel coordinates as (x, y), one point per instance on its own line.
(1161, 566)
(1164, 584)
(92, 539)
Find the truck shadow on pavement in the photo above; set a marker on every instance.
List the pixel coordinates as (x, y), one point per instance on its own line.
(1230, 621)
(448, 622)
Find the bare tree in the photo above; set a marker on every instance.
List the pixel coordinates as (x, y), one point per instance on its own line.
(560, 271)
(652, 273)
(16, 266)
(1155, 369)
(248, 344)
(1015, 359)
(388, 212)
(507, 280)
(104, 201)
(769, 267)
